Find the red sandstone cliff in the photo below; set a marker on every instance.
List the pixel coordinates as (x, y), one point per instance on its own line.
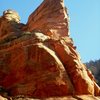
(39, 59)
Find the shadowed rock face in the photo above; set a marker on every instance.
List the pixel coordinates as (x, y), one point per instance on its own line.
(39, 59)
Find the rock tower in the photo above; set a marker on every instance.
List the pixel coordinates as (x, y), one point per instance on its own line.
(39, 59)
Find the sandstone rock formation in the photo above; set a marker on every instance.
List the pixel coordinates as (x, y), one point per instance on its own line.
(39, 59)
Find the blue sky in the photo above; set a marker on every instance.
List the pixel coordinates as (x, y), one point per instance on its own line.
(84, 22)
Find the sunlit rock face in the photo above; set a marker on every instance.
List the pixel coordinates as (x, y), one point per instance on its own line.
(39, 59)
(51, 18)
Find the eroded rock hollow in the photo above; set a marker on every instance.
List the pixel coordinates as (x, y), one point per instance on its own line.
(39, 59)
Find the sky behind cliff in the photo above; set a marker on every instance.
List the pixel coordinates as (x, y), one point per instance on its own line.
(84, 22)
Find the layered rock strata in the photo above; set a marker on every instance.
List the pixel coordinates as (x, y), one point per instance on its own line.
(39, 59)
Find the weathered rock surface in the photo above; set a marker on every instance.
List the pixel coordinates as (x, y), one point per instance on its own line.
(83, 97)
(77, 97)
(51, 18)
(2, 98)
(39, 59)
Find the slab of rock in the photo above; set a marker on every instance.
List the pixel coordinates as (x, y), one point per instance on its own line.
(51, 18)
(39, 59)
